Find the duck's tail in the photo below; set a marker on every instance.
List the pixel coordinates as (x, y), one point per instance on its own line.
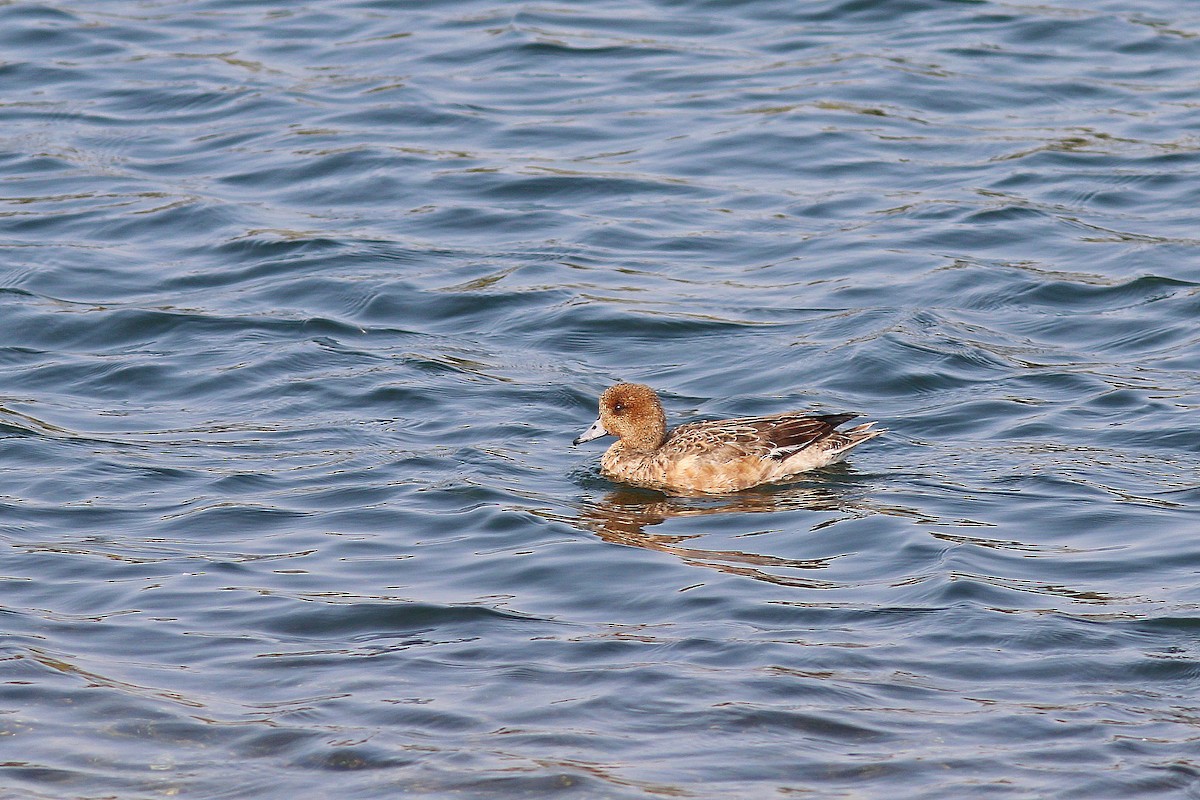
(838, 444)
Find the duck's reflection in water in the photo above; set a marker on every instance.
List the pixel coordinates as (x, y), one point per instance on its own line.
(623, 516)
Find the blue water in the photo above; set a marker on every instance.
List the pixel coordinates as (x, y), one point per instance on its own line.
(301, 306)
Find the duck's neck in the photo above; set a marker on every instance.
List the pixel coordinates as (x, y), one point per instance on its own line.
(648, 439)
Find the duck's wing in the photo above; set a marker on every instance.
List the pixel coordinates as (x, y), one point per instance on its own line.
(774, 437)
(788, 434)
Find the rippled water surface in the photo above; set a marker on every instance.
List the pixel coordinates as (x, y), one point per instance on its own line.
(302, 304)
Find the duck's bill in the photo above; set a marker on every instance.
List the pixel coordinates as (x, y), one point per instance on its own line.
(594, 432)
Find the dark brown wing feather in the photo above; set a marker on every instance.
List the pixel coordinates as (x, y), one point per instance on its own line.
(789, 435)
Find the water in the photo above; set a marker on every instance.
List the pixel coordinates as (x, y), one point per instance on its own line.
(302, 304)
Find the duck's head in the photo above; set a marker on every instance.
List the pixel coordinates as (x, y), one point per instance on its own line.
(632, 413)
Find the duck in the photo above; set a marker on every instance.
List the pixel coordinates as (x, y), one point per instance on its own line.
(717, 457)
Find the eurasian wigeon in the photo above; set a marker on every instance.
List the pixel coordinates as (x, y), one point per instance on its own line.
(713, 457)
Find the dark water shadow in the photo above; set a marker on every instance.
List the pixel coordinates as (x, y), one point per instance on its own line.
(625, 515)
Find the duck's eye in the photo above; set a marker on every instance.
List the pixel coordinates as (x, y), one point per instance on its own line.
(619, 408)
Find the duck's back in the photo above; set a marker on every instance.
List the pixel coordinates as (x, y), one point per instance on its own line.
(776, 437)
